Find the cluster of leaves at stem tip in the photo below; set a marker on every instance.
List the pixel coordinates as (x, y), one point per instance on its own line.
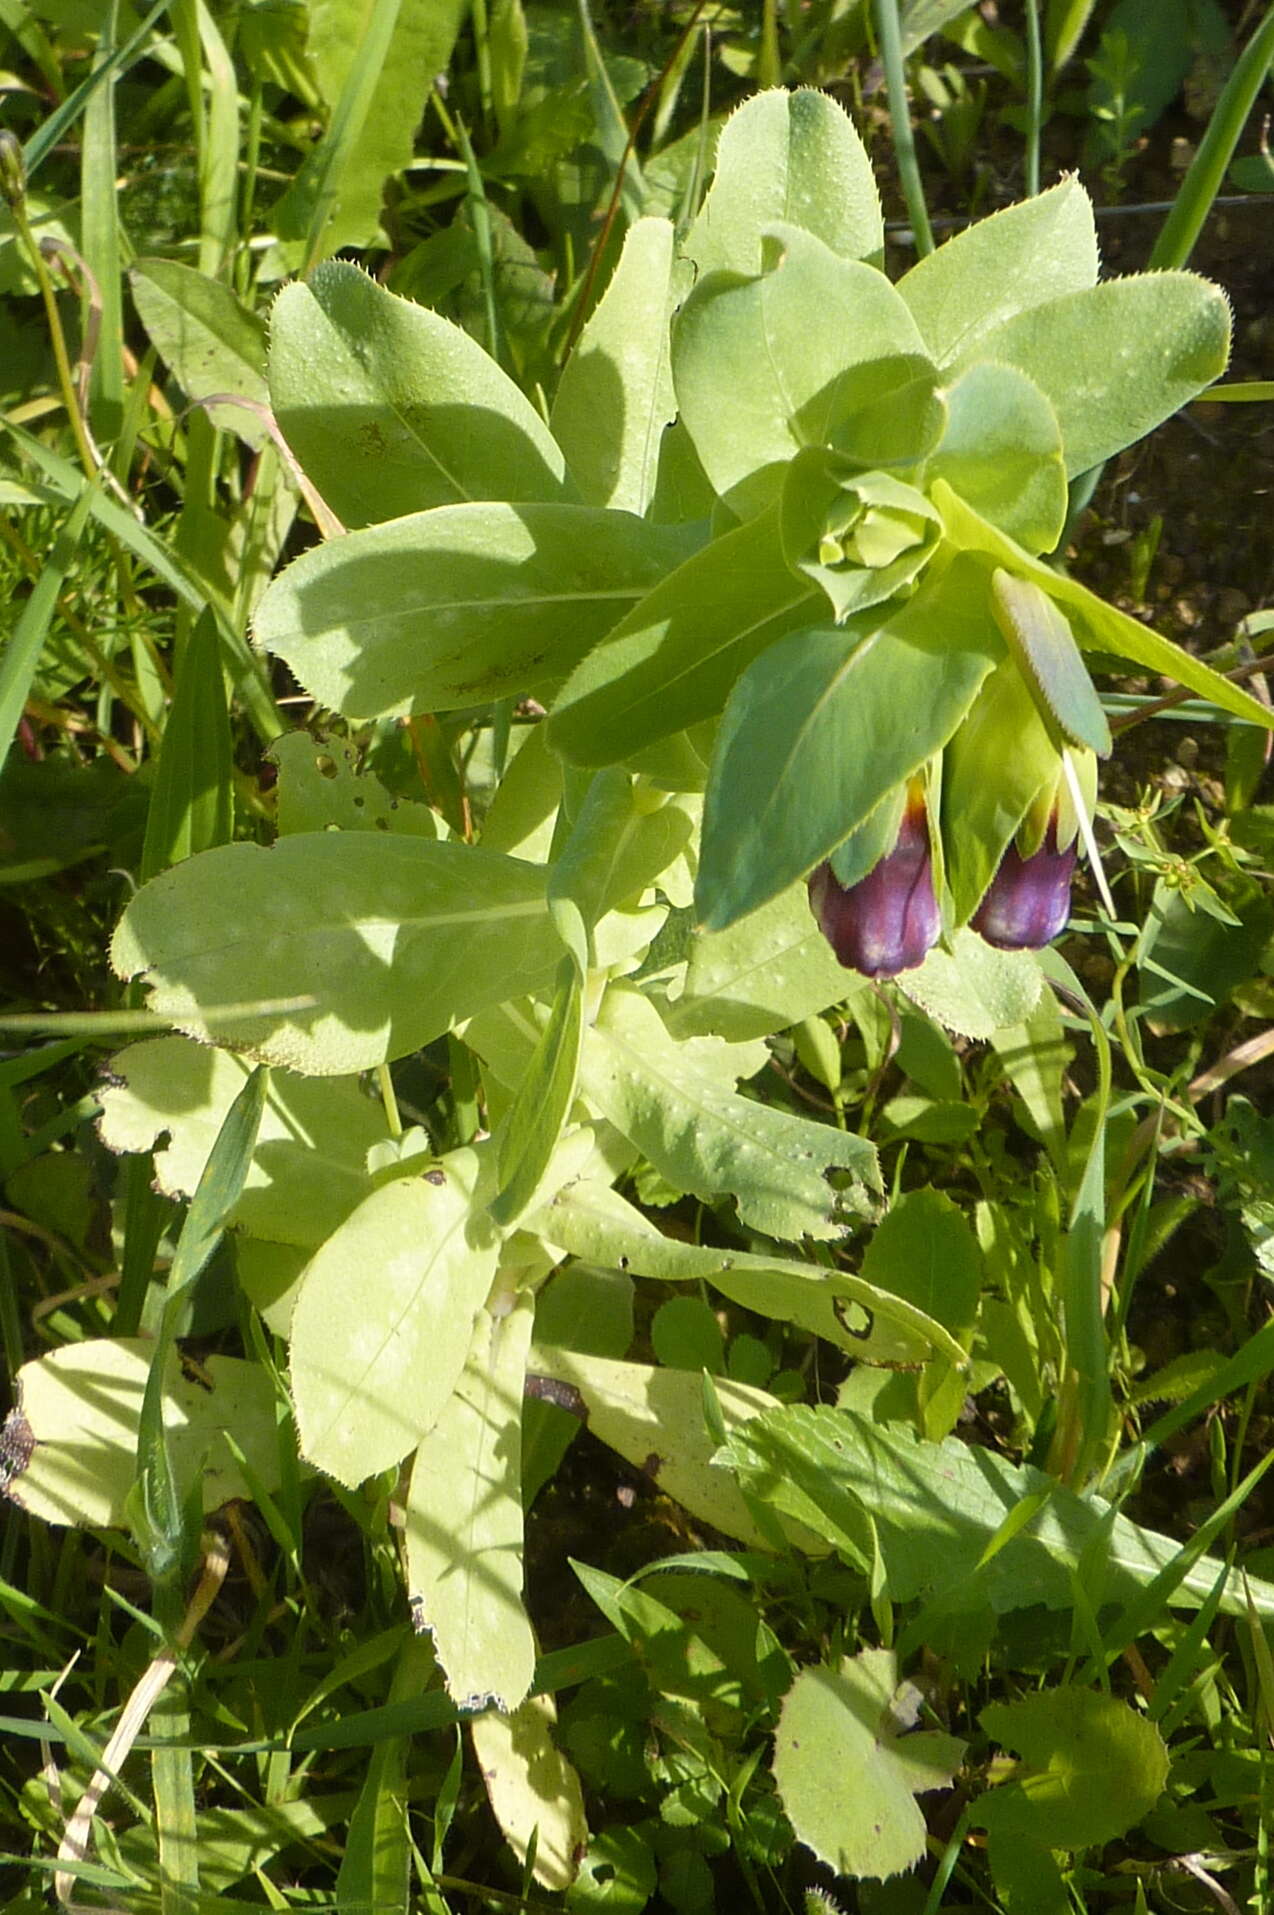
(768, 600)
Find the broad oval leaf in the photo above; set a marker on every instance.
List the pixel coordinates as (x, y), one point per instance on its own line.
(823, 726)
(309, 1162)
(384, 1319)
(757, 378)
(669, 1102)
(459, 605)
(1116, 360)
(392, 409)
(71, 1441)
(209, 340)
(843, 1722)
(1016, 259)
(1002, 452)
(794, 157)
(533, 1790)
(1091, 1768)
(615, 395)
(673, 659)
(395, 938)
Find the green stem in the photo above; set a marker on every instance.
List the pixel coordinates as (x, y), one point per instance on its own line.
(1202, 183)
(61, 358)
(1034, 97)
(900, 116)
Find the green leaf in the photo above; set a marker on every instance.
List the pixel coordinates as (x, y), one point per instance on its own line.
(849, 1721)
(925, 1252)
(1096, 624)
(1041, 642)
(385, 1317)
(532, 1788)
(395, 938)
(792, 157)
(1116, 360)
(981, 814)
(309, 1164)
(1002, 452)
(937, 1507)
(1091, 1768)
(975, 989)
(458, 605)
(76, 1424)
(672, 661)
(822, 727)
(767, 972)
(209, 340)
(22, 653)
(376, 73)
(192, 798)
(615, 395)
(1023, 257)
(320, 788)
(533, 1122)
(392, 409)
(654, 1419)
(464, 1522)
(756, 380)
(871, 1319)
(666, 1098)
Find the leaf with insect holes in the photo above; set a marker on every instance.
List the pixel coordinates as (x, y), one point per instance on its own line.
(848, 1765)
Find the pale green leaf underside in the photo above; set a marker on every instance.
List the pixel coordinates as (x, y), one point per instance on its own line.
(211, 343)
(707, 1140)
(395, 938)
(858, 1317)
(81, 1405)
(459, 605)
(532, 1788)
(973, 988)
(464, 1522)
(309, 1163)
(792, 157)
(768, 971)
(392, 409)
(654, 1419)
(384, 1319)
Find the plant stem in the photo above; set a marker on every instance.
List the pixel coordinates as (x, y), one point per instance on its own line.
(1216, 149)
(900, 117)
(1034, 97)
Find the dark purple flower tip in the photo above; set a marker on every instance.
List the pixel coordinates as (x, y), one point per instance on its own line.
(889, 920)
(1029, 899)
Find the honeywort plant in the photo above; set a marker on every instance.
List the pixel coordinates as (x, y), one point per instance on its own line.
(768, 599)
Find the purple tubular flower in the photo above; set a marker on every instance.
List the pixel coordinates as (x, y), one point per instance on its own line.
(1029, 899)
(888, 920)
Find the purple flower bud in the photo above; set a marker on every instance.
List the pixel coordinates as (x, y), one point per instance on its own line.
(1029, 899)
(888, 920)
